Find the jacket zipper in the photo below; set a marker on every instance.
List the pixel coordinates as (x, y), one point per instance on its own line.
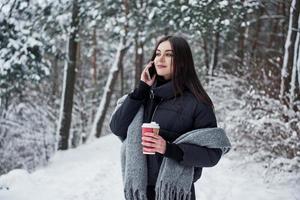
(152, 98)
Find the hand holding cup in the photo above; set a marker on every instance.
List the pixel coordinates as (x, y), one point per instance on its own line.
(151, 140)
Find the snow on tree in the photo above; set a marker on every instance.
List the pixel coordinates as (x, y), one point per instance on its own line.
(289, 68)
(21, 60)
(27, 136)
(108, 89)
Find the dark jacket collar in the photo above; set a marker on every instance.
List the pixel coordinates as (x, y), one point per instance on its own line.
(163, 88)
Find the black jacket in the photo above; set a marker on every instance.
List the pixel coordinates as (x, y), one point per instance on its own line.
(176, 116)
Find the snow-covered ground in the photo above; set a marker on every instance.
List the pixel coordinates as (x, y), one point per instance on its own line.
(92, 172)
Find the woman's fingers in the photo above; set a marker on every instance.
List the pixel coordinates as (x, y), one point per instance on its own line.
(149, 141)
(147, 67)
(150, 134)
(154, 143)
(148, 150)
(149, 64)
(145, 76)
(149, 144)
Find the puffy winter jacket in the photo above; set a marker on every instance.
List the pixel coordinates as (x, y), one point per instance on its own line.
(176, 115)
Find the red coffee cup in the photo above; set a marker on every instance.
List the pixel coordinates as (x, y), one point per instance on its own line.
(152, 127)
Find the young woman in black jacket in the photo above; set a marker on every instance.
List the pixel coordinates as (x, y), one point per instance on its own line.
(175, 99)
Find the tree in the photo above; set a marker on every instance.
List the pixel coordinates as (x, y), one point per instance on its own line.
(69, 81)
(113, 74)
(21, 61)
(295, 74)
(289, 68)
(206, 20)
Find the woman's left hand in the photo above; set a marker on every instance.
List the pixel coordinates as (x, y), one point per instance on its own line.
(153, 143)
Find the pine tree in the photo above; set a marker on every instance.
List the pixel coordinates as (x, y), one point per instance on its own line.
(21, 61)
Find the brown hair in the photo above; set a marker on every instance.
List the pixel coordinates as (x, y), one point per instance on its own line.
(184, 73)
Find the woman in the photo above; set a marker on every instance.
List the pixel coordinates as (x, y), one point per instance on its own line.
(175, 99)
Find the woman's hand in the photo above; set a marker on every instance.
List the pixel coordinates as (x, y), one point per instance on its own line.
(153, 142)
(145, 76)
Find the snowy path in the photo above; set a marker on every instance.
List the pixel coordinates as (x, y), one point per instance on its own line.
(92, 172)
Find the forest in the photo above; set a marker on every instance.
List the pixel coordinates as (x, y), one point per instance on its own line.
(64, 64)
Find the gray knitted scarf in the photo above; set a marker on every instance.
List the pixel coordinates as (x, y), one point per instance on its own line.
(174, 180)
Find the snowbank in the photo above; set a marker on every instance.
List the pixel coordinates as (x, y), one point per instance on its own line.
(92, 172)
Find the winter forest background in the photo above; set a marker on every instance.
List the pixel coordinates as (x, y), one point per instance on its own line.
(63, 65)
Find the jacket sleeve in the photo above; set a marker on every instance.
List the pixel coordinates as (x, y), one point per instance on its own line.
(194, 155)
(123, 116)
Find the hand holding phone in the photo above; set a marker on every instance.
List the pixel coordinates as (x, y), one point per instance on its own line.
(149, 73)
(152, 70)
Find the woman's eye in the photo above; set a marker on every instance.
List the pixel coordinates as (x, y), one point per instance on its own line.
(168, 54)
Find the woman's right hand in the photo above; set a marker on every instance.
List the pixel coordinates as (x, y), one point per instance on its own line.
(145, 76)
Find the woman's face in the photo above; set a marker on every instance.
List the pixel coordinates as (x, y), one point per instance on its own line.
(164, 60)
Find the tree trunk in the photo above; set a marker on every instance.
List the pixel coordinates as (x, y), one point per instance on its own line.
(121, 79)
(257, 32)
(275, 24)
(108, 89)
(126, 26)
(55, 75)
(94, 78)
(214, 60)
(294, 90)
(205, 49)
(79, 130)
(289, 52)
(69, 83)
(241, 39)
(241, 45)
(94, 57)
(139, 58)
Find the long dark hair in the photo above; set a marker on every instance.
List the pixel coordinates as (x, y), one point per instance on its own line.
(184, 73)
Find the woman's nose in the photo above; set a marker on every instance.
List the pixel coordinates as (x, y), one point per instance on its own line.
(161, 58)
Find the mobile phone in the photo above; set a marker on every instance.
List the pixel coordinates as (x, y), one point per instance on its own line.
(152, 70)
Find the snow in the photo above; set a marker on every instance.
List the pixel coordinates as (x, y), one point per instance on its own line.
(5, 9)
(226, 22)
(186, 19)
(152, 13)
(139, 51)
(192, 2)
(183, 8)
(92, 172)
(223, 4)
(244, 24)
(23, 5)
(87, 172)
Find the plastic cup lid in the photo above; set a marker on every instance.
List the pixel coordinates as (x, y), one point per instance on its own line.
(150, 125)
